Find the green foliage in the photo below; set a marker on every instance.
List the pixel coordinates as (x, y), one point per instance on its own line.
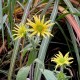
(63, 15)
(31, 57)
(23, 73)
(45, 1)
(49, 75)
(26, 49)
(61, 76)
(39, 61)
(36, 49)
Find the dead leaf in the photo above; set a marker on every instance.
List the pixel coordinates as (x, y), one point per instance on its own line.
(3, 47)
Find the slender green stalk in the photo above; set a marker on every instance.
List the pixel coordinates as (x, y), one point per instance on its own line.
(44, 44)
(16, 46)
(10, 13)
(61, 69)
(75, 46)
(13, 5)
(1, 20)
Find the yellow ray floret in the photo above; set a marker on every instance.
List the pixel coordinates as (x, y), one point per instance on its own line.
(61, 60)
(40, 27)
(19, 31)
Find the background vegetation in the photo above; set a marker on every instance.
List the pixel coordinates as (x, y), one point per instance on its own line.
(29, 58)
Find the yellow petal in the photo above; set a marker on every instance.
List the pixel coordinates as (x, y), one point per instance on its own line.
(42, 21)
(33, 34)
(17, 25)
(16, 28)
(48, 34)
(17, 37)
(37, 21)
(38, 34)
(70, 58)
(56, 66)
(60, 54)
(15, 34)
(51, 24)
(30, 30)
(47, 22)
(32, 24)
(66, 55)
(43, 35)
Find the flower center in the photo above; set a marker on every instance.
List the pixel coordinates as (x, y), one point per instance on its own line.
(39, 28)
(22, 31)
(62, 60)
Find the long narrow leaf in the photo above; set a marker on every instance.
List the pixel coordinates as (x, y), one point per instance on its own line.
(74, 45)
(16, 46)
(1, 20)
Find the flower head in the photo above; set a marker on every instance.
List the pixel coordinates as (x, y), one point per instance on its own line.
(40, 27)
(19, 31)
(61, 60)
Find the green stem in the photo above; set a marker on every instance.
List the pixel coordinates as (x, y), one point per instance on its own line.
(10, 13)
(61, 68)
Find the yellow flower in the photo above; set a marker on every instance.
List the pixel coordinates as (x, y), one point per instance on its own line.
(19, 31)
(40, 27)
(61, 60)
